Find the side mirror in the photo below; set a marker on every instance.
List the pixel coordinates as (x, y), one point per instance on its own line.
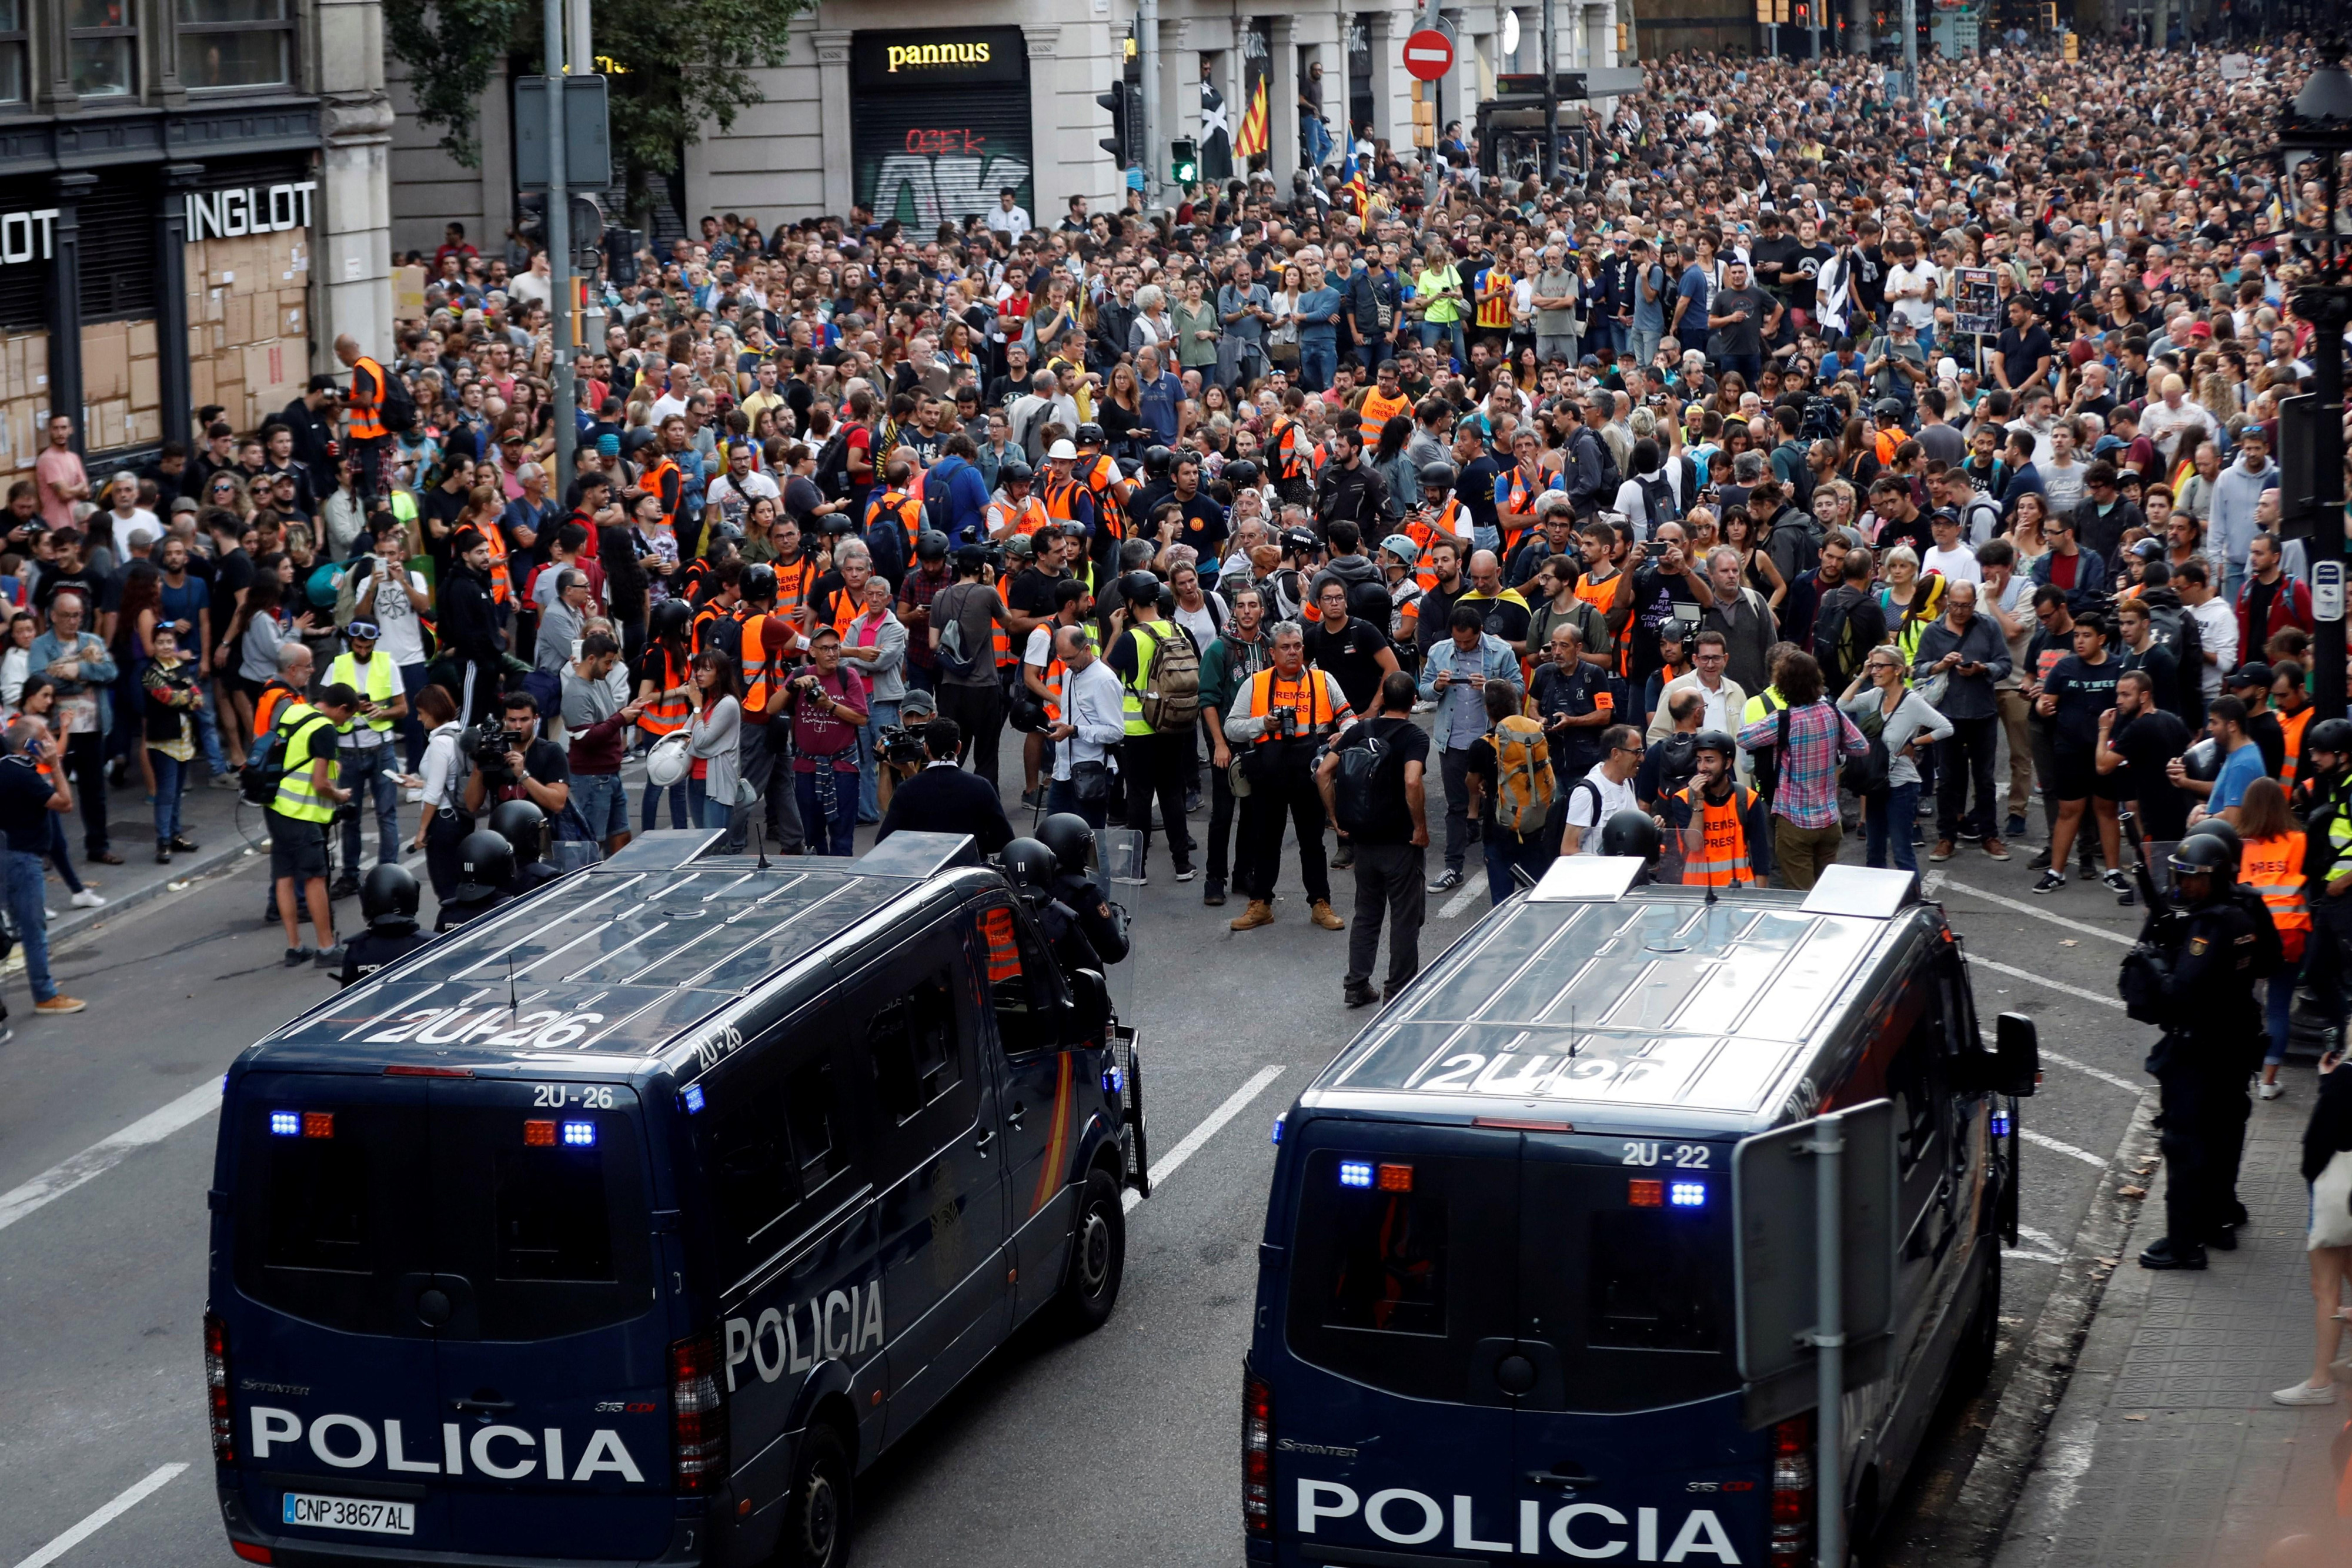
(1087, 1016)
(2017, 1054)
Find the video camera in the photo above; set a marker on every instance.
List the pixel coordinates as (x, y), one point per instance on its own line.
(486, 745)
(901, 747)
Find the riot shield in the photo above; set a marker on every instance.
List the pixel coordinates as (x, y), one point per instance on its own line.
(1119, 873)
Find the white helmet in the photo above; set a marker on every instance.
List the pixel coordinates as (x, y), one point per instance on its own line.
(669, 762)
(1061, 451)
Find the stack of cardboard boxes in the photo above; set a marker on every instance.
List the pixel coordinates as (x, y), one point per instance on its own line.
(121, 398)
(23, 401)
(249, 323)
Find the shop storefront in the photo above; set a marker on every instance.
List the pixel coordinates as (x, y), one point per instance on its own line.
(941, 123)
(115, 262)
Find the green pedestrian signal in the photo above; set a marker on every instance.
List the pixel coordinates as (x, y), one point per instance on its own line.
(1184, 160)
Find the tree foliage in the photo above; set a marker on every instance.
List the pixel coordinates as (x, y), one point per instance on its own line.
(671, 68)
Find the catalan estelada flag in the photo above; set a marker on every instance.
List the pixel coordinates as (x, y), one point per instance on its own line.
(1253, 139)
(1352, 182)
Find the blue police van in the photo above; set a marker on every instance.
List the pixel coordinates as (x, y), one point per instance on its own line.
(1497, 1302)
(632, 1220)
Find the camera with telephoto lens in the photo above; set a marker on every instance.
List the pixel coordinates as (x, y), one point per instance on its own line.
(900, 747)
(486, 746)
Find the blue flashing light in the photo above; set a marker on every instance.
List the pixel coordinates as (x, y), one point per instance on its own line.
(1113, 1079)
(1687, 1194)
(285, 1123)
(2000, 1124)
(1278, 1121)
(1356, 1173)
(693, 1098)
(579, 1135)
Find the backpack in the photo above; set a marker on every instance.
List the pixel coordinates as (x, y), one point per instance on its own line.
(1171, 686)
(265, 765)
(1800, 488)
(955, 658)
(1523, 778)
(1766, 764)
(1355, 787)
(2176, 631)
(1612, 478)
(1677, 757)
(1861, 775)
(833, 464)
(397, 413)
(938, 504)
(1840, 643)
(1658, 499)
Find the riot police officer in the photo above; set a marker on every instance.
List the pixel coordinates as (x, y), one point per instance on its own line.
(2205, 954)
(388, 896)
(1034, 869)
(1634, 834)
(485, 872)
(1072, 839)
(2324, 795)
(527, 831)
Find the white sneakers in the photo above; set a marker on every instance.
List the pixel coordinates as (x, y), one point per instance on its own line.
(2305, 1394)
(88, 899)
(2273, 1090)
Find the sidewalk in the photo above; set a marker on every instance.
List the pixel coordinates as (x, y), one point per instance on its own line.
(2166, 1451)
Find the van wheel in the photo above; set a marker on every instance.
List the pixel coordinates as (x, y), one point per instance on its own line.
(1098, 1256)
(817, 1514)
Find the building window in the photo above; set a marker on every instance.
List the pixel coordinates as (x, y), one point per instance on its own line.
(14, 47)
(233, 43)
(103, 38)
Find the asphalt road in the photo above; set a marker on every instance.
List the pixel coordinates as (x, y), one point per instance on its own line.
(1120, 1446)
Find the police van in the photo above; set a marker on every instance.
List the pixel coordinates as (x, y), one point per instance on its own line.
(635, 1219)
(1497, 1301)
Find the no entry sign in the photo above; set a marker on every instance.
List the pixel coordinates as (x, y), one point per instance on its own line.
(1428, 54)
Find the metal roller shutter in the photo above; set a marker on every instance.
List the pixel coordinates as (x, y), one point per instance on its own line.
(937, 134)
(24, 295)
(117, 247)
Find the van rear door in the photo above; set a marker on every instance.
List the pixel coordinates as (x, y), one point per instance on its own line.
(1402, 1294)
(333, 1374)
(1630, 1445)
(554, 1353)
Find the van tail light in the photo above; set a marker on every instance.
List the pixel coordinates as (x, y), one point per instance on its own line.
(250, 1551)
(1793, 1491)
(1257, 1455)
(217, 1390)
(698, 1415)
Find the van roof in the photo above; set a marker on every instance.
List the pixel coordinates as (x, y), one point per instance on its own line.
(623, 960)
(1632, 1006)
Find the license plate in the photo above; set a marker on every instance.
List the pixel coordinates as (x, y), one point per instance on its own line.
(350, 1513)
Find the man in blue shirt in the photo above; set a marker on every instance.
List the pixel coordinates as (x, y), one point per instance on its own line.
(956, 479)
(1161, 394)
(2241, 759)
(1318, 330)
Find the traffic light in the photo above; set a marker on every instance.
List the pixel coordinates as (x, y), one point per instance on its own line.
(1125, 143)
(1184, 160)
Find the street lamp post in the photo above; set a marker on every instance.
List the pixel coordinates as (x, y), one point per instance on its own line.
(2316, 134)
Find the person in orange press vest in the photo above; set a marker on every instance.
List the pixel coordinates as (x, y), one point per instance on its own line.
(1383, 402)
(768, 659)
(663, 672)
(1018, 512)
(2292, 705)
(1282, 715)
(1105, 481)
(370, 438)
(1440, 518)
(2270, 860)
(1724, 815)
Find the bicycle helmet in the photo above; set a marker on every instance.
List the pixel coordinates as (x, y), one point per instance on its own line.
(1716, 740)
(671, 617)
(1437, 480)
(1015, 474)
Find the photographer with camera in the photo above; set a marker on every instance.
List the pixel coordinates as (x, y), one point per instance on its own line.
(444, 821)
(1280, 719)
(510, 762)
(944, 799)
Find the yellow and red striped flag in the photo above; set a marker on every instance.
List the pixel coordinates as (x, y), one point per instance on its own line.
(1253, 139)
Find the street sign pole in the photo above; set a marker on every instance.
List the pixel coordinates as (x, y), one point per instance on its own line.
(1428, 55)
(1828, 1148)
(558, 251)
(1551, 99)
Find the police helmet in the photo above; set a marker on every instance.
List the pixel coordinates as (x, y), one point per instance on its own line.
(930, 545)
(486, 866)
(1030, 866)
(759, 584)
(388, 895)
(1071, 839)
(1716, 740)
(524, 827)
(671, 617)
(1089, 434)
(1157, 461)
(2216, 828)
(1630, 832)
(1015, 474)
(2330, 735)
(1437, 479)
(1242, 474)
(1140, 588)
(2203, 854)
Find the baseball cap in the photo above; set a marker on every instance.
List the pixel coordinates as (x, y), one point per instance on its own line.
(2256, 674)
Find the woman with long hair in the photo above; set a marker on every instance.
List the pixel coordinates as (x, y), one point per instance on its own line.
(1755, 568)
(1282, 327)
(134, 637)
(715, 729)
(1881, 702)
(38, 700)
(2028, 531)
(1391, 461)
(1121, 412)
(1858, 464)
(664, 676)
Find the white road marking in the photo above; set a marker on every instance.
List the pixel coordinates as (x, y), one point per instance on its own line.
(1471, 894)
(2126, 1084)
(123, 1504)
(2043, 1140)
(107, 1151)
(1935, 879)
(1981, 963)
(1236, 1103)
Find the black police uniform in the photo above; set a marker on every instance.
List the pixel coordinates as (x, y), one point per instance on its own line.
(1067, 936)
(2326, 839)
(455, 912)
(2202, 1061)
(1102, 928)
(377, 946)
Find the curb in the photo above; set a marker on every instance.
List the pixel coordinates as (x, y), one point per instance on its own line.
(2040, 1409)
(74, 923)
